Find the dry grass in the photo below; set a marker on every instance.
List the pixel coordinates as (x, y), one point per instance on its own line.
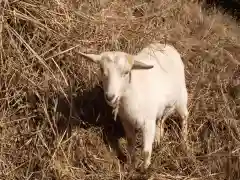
(54, 123)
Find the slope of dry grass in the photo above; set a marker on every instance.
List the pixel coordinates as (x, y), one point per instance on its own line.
(54, 123)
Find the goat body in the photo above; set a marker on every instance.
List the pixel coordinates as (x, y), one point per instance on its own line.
(151, 91)
(158, 83)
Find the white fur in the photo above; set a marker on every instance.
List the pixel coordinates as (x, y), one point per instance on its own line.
(143, 95)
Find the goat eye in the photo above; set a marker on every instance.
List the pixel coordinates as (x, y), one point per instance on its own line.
(104, 73)
(125, 73)
(101, 69)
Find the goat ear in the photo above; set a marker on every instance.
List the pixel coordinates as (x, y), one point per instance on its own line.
(94, 57)
(140, 65)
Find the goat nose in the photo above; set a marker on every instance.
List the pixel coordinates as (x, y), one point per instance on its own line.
(109, 97)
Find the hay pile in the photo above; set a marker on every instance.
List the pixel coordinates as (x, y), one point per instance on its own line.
(54, 123)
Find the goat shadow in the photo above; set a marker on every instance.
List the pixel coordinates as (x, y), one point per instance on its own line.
(89, 109)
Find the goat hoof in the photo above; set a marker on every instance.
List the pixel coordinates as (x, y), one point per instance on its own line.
(145, 167)
(157, 143)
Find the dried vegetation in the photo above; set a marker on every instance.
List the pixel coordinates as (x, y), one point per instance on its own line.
(54, 123)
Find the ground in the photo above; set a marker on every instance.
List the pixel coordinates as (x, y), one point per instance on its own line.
(54, 123)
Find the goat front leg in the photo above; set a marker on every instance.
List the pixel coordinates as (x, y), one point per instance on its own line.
(131, 140)
(148, 138)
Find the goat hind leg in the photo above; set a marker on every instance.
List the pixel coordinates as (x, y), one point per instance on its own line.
(160, 125)
(183, 111)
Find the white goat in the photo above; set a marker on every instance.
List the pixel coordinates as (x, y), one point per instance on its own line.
(142, 87)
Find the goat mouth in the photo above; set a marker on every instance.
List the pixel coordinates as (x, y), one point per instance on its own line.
(112, 103)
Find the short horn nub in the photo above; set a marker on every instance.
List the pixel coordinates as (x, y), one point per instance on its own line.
(130, 60)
